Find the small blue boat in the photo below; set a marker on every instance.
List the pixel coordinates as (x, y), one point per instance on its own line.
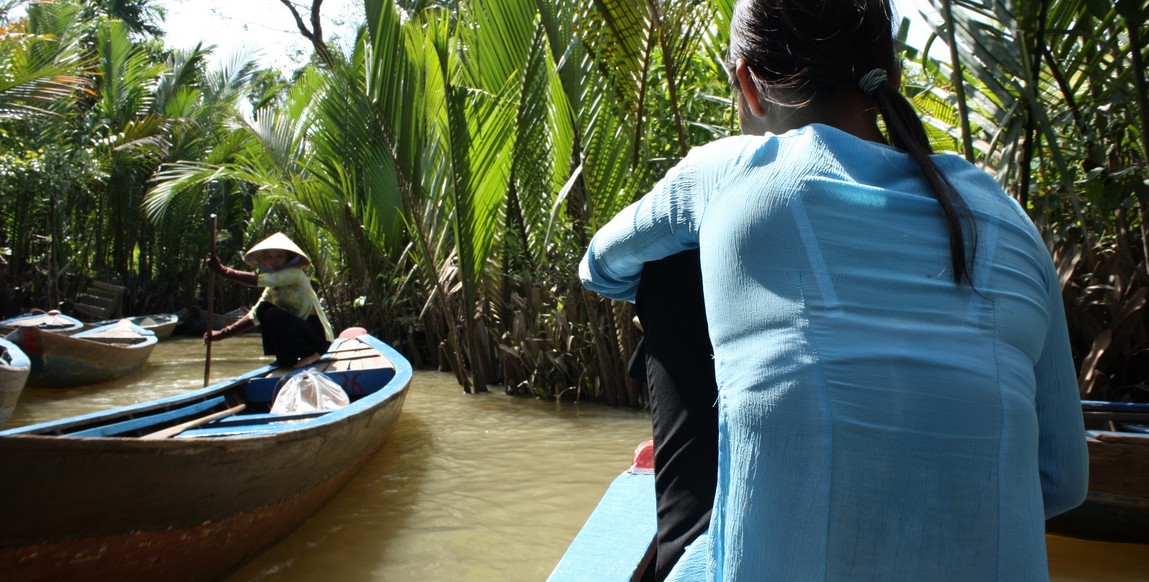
(191, 486)
(49, 321)
(87, 357)
(161, 324)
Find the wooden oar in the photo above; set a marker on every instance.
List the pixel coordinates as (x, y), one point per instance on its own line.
(174, 430)
(210, 307)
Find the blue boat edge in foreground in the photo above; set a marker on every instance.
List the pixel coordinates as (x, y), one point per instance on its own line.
(617, 541)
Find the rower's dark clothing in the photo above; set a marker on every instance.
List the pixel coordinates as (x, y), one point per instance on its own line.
(679, 370)
(288, 337)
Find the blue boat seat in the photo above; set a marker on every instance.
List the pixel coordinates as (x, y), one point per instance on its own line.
(254, 424)
(150, 420)
(265, 418)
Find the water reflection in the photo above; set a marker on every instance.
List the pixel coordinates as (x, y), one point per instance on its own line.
(469, 487)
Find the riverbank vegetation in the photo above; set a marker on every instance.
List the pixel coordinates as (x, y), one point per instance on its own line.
(446, 173)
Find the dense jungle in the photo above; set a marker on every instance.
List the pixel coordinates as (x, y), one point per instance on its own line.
(446, 171)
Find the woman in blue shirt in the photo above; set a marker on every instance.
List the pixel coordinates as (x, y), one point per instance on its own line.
(897, 397)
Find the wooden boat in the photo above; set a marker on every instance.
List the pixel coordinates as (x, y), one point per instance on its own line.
(86, 357)
(192, 486)
(161, 324)
(193, 320)
(617, 541)
(49, 321)
(14, 369)
(1117, 506)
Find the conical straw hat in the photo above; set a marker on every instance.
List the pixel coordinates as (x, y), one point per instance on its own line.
(277, 241)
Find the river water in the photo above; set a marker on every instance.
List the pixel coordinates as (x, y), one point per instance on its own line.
(468, 488)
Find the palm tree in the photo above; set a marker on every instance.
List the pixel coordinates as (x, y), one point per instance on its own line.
(42, 76)
(1052, 99)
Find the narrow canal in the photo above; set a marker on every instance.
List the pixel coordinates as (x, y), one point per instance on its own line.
(468, 488)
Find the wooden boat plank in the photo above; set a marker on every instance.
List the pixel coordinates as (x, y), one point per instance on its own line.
(190, 424)
(1117, 505)
(151, 420)
(1119, 437)
(72, 424)
(268, 417)
(255, 429)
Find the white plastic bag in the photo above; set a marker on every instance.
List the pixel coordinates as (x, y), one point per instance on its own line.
(307, 391)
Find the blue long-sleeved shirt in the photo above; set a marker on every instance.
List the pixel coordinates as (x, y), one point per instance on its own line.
(877, 421)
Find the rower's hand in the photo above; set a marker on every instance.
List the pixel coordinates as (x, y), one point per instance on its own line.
(213, 263)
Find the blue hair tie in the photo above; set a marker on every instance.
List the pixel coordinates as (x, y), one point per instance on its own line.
(870, 81)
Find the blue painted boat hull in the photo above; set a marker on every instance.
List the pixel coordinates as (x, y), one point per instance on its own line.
(52, 321)
(198, 505)
(60, 361)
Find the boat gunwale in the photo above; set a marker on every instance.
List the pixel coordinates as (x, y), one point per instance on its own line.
(30, 435)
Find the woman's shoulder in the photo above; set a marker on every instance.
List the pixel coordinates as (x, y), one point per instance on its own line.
(731, 152)
(288, 276)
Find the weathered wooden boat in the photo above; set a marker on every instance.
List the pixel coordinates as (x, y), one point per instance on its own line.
(14, 369)
(617, 541)
(86, 357)
(193, 320)
(50, 321)
(161, 324)
(192, 486)
(1117, 506)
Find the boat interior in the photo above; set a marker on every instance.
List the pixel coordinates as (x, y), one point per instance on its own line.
(238, 407)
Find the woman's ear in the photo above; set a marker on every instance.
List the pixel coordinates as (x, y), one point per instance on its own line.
(748, 90)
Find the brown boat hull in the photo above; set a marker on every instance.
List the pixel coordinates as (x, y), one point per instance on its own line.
(60, 361)
(176, 509)
(1117, 508)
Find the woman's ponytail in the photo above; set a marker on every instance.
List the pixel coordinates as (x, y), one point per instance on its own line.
(907, 133)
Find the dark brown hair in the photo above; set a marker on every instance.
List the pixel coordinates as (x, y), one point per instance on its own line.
(801, 51)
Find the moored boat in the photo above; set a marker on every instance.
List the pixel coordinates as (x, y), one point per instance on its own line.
(14, 369)
(192, 486)
(193, 320)
(86, 357)
(617, 541)
(1117, 506)
(161, 324)
(50, 321)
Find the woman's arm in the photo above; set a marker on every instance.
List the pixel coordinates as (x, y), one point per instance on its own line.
(660, 224)
(244, 278)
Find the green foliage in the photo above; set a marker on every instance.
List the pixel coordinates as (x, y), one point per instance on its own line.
(1055, 106)
(446, 175)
